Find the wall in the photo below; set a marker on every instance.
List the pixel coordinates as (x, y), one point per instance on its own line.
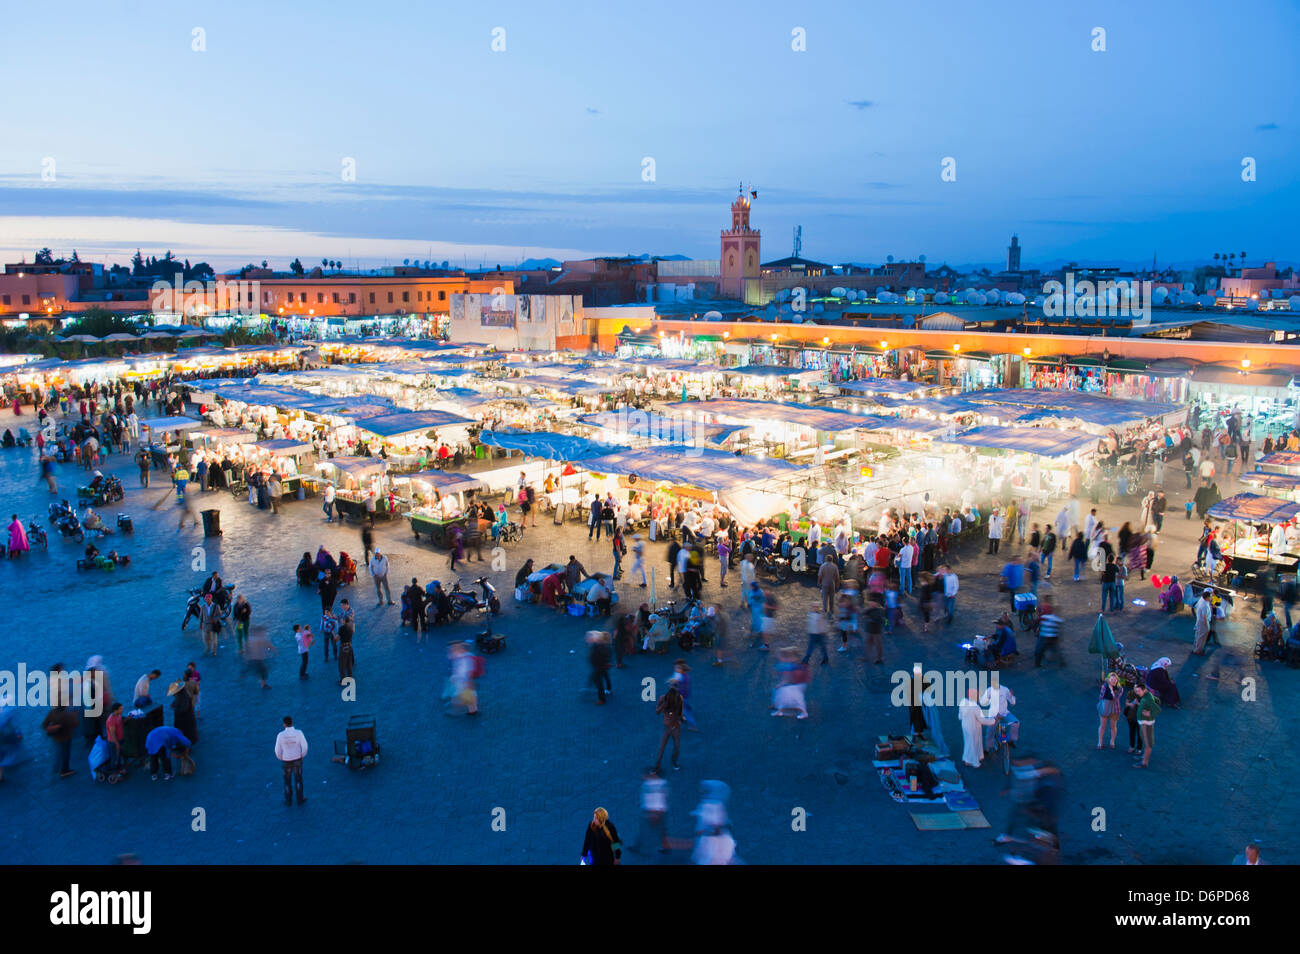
(520, 322)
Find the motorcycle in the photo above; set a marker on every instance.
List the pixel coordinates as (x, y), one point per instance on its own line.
(463, 601)
(36, 534)
(222, 599)
(777, 566)
(64, 519)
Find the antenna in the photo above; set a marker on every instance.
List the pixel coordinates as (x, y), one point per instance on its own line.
(798, 240)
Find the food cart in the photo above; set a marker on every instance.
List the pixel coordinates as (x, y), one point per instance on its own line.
(358, 480)
(1254, 549)
(283, 456)
(437, 501)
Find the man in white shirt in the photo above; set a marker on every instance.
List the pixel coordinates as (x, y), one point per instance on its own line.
(290, 749)
(378, 567)
(329, 503)
(1063, 524)
(905, 554)
(995, 531)
(1090, 524)
(997, 701)
(950, 586)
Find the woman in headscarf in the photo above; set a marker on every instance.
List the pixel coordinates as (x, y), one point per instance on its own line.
(17, 537)
(1160, 682)
(601, 846)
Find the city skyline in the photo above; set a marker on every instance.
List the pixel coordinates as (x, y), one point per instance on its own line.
(526, 151)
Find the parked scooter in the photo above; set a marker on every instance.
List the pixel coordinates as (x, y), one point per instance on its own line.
(222, 599)
(463, 601)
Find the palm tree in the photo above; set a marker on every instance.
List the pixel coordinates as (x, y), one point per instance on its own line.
(1216, 256)
(1243, 258)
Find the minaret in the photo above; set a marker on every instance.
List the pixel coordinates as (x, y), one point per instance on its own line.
(739, 262)
(1013, 254)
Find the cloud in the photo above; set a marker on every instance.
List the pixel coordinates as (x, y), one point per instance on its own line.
(861, 103)
(1267, 127)
(592, 111)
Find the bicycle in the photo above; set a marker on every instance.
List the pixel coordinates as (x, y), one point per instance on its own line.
(1003, 747)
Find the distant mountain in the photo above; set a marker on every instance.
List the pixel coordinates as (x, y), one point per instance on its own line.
(539, 263)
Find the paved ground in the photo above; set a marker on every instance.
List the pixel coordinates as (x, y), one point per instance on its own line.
(544, 753)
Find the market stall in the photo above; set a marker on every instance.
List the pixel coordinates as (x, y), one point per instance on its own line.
(360, 484)
(1263, 534)
(437, 502)
(283, 456)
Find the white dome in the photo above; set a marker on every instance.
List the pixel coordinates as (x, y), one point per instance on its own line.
(1015, 298)
(1206, 300)
(993, 295)
(1160, 295)
(713, 316)
(941, 298)
(1186, 298)
(839, 291)
(818, 308)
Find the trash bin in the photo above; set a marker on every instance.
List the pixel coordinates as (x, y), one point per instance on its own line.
(212, 523)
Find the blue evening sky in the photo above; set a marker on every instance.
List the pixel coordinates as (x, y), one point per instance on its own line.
(235, 153)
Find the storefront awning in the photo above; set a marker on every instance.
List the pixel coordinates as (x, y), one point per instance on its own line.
(443, 481)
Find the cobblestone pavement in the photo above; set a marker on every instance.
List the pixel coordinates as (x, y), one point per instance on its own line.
(546, 755)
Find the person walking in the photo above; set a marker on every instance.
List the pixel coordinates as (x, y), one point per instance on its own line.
(1108, 577)
(1049, 634)
(303, 639)
(619, 549)
(873, 624)
(378, 566)
(654, 812)
(638, 558)
(828, 579)
(816, 636)
(670, 706)
(1146, 710)
(681, 677)
(1079, 554)
(593, 519)
(367, 540)
(601, 846)
(347, 629)
(256, 655)
(724, 558)
(1204, 610)
(995, 531)
(1110, 704)
(241, 614)
(1048, 550)
(674, 549)
(143, 462)
(599, 659)
(291, 749)
(328, 506)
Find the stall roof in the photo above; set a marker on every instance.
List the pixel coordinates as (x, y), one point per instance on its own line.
(545, 444)
(768, 371)
(1223, 374)
(885, 386)
(283, 446)
(226, 435)
(162, 424)
(1262, 478)
(701, 467)
(830, 419)
(443, 481)
(653, 426)
(1044, 441)
(1279, 459)
(409, 422)
(1255, 508)
(1076, 405)
(356, 466)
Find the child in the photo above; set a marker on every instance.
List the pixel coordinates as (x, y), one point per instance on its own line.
(892, 614)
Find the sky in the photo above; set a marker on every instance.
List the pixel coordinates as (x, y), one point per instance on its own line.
(224, 131)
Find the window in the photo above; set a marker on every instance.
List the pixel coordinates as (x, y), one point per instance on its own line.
(390, 298)
(352, 298)
(6, 299)
(372, 298)
(336, 298)
(442, 296)
(27, 299)
(302, 297)
(320, 297)
(406, 296)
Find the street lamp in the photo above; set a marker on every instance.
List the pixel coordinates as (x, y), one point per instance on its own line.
(956, 347)
(1245, 363)
(884, 346)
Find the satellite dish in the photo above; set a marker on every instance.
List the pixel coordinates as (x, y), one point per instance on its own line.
(1206, 301)
(993, 295)
(1015, 298)
(839, 291)
(1160, 295)
(941, 298)
(1186, 297)
(713, 316)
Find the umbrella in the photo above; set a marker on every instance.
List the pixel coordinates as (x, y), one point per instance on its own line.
(1103, 641)
(85, 338)
(121, 336)
(194, 333)
(157, 334)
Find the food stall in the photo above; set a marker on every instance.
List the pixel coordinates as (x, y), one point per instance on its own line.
(437, 502)
(357, 480)
(1280, 462)
(1285, 486)
(283, 456)
(1263, 534)
(155, 434)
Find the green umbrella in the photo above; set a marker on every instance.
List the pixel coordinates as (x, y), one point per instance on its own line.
(1103, 642)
